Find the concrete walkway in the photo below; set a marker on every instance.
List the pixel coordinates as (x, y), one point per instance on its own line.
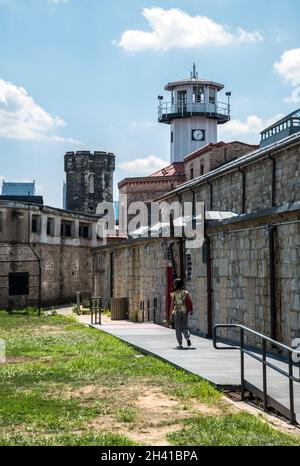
(222, 368)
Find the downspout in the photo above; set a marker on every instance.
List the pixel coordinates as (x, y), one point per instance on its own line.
(272, 284)
(243, 189)
(209, 286)
(210, 194)
(39, 263)
(273, 185)
(208, 272)
(111, 277)
(181, 248)
(193, 208)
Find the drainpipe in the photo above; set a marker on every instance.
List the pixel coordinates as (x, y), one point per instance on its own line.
(243, 189)
(111, 275)
(273, 185)
(209, 287)
(193, 208)
(181, 248)
(38, 260)
(210, 195)
(272, 284)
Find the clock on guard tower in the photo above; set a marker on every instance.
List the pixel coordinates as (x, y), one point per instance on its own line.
(198, 135)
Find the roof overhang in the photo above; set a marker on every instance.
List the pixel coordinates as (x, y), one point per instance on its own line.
(172, 85)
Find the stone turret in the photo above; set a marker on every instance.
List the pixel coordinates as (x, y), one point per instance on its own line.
(89, 180)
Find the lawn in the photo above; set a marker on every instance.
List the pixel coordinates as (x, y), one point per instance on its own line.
(66, 384)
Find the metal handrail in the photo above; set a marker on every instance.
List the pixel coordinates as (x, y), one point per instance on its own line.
(265, 363)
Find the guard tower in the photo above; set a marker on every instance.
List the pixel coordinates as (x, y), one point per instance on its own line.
(194, 114)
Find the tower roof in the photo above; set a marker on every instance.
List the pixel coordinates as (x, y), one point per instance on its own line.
(194, 79)
(172, 85)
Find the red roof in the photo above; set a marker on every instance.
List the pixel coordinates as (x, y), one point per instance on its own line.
(175, 169)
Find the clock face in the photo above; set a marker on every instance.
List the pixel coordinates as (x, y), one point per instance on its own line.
(198, 135)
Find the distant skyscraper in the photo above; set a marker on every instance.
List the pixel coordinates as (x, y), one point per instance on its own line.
(18, 189)
(65, 196)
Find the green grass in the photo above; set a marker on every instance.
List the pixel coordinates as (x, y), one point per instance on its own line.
(90, 439)
(66, 384)
(240, 429)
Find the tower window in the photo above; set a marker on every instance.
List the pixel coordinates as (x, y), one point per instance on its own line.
(172, 137)
(92, 184)
(201, 169)
(212, 95)
(191, 172)
(198, 94)
(181, 98)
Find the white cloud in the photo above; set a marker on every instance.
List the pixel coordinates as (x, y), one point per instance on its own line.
(22, 118)
(176, 29)
(146, 165)
(252, 125)
(288, 67)
(57, 1)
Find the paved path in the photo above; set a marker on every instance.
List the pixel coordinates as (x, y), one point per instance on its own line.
(222, 368)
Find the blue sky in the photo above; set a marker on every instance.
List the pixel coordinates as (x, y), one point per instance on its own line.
(85, 75)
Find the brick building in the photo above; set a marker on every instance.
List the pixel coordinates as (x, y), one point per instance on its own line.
(149, 188)
(213, 156)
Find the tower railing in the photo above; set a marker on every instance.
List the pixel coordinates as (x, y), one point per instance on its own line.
(168, 110)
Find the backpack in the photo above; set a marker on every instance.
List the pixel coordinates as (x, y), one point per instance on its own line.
(182, 302)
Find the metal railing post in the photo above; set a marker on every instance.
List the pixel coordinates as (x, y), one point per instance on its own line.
(291, 387)
(242, 365)
(264, 360)
(288, 410)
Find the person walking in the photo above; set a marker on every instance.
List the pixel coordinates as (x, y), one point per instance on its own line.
(182, 307)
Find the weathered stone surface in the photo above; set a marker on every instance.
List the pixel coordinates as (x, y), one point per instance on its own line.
(89, 179)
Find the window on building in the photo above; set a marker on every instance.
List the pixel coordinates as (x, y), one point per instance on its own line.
(172, 137)
(66, 229)
(36, 224)
(92, 184)
(198, 93)
(172, 98)
(18, 284)
(181, 98)
(84, 230)
(1, 221)
(212, 95)
(201, 169)
(50, 226)
(191, 172)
